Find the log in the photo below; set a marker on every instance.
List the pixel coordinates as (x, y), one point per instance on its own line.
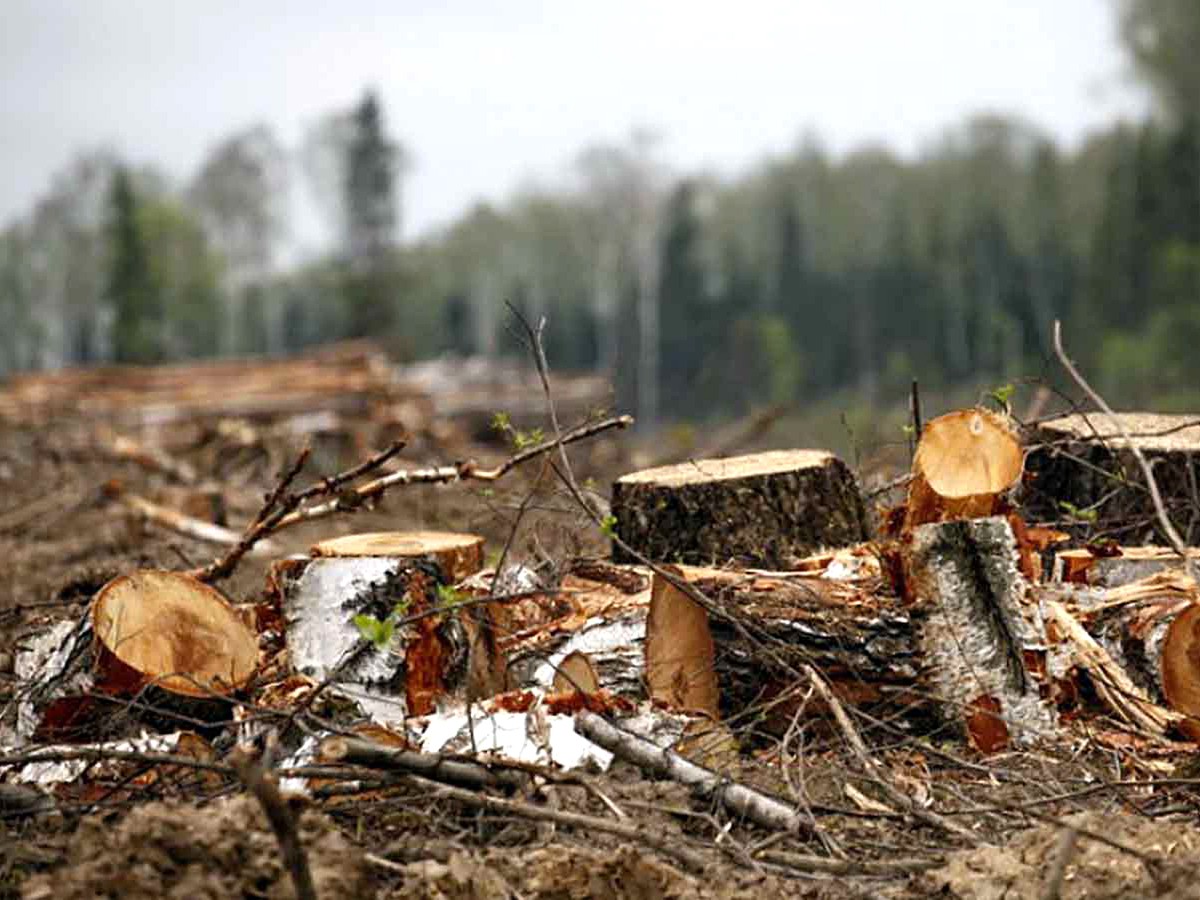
(1081, 462)
(983, 640)
(341, 606)
(965, 464)
(864, 641)
(765, 509)
(168, 630)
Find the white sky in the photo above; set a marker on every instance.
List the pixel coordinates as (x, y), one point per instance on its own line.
(485, 95)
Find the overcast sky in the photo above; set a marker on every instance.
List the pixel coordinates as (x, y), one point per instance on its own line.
(487, 94)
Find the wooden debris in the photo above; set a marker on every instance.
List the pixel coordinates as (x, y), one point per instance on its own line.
(180, 522)
(679, 651)
(170, 631)
(1081, 462)
(1116, 566)
(766, 509)
(982, 637)
(576, 673)
(966, 462)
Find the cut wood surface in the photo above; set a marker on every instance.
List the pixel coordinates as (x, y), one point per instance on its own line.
(965, 463)
(169, 630)
(459, 555)
(679, 651)
(766, 509)
(981, 629)
(1080, 461)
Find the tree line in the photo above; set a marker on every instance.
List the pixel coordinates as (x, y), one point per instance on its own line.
(703, 296)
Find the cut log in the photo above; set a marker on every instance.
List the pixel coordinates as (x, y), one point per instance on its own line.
(965, 463)
(168, 630)
(1081, 462)
(865, 642)
(983, 639)
(459, 555)
(1116, 567)
(679, 651)
(576, 673)
(766, 509)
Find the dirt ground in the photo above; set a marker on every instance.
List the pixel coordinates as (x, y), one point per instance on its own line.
(174, 836)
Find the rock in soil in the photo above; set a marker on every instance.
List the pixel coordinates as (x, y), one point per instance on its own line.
(183, 852)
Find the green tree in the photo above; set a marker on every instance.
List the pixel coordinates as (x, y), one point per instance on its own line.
(135, 297)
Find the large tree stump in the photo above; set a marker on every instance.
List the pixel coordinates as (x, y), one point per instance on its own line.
(767, 509)
(983, 640)
(1084, 477)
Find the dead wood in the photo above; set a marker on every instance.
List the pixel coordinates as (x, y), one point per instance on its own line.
(368, 754)
(283, 823)
(737, 798)
(965, 463)
(171, 631)
(186, 525)
(679, 651)
(982, 638)
(1111, 567)
(765, 509)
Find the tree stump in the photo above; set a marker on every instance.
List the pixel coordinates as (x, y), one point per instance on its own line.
(966, 462)
(982, 639)
(1084, 477)
(766, 509)
(342, 608)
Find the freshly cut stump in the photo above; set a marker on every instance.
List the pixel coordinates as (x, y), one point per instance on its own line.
(966, 462)
(1081, 460)
(170, 631)
(765, 509)
(982, 638)
(341, 606)
(459, 555)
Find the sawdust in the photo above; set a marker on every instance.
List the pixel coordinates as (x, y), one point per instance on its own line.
(183, 852)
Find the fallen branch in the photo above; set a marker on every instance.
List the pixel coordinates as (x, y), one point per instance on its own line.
(467, 471)
(152, 458)
(739, 799)
(805, 862)
(179, 522)
(368, 754)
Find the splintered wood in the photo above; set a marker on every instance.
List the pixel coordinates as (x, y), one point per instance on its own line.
(766, 509)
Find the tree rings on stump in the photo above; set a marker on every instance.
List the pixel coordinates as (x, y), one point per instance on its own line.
(171, 631)
(459, 555)
(1181, 667)
(766, 509)
(965, 463)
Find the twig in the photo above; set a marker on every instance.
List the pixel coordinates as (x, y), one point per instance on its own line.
(175, 520)
(283, 823)
(670, 845)
(846, 867)
(739, 799)
(466, 471)
(915, 409)
(1163, 520)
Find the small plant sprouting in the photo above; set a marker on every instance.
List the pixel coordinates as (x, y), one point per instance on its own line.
(1002, 395)
(448, 596)
(1081, 515)
(520, 440)
(378, 633)
(608, 525)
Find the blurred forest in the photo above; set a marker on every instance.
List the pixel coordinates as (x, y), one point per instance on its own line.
(803, 278)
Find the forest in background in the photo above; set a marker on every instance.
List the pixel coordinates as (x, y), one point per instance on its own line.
(704, 297)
